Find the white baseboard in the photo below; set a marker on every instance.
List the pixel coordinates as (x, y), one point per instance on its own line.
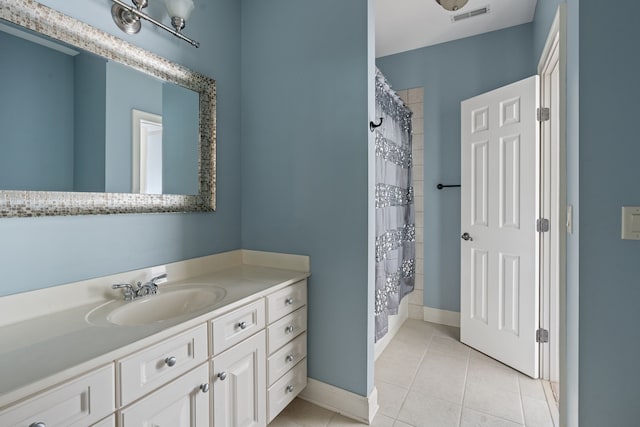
(442, 317)
(351, 405)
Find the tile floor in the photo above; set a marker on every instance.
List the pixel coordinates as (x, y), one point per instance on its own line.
(426, 377)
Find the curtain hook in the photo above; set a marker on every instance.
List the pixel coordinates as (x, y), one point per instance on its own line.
(373, 125)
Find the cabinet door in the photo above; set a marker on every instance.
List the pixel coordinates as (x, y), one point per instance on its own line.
(239, 389)
(181, 403)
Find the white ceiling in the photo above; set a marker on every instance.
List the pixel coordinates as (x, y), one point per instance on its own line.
(403, 25)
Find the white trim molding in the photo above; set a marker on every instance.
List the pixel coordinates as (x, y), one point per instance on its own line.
(351, 405)
(442, 317)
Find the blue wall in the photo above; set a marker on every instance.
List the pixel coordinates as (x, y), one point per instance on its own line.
(180, 149)
(36, 144)
(90, 81)
(304, 165)
(40, 252)
(452, 72)
(609, 175)
(127, 89)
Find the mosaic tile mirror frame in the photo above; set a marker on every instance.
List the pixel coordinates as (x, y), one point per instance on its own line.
(41, 19)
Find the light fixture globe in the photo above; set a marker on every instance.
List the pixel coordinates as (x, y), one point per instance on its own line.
(179, 11)
(452, 5)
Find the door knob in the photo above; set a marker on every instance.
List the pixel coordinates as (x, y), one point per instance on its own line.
(170, 361)
(222, 375)
(466, 236)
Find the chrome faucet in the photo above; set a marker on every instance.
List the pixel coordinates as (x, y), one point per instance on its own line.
(138, 290)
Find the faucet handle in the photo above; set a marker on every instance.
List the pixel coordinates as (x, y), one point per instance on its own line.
(128, 290)
(158, 280)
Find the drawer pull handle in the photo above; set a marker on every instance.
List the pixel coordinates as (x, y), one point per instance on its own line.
(40, 424)
(170, 361)
(289, 358)
(204, 387)
(289, 389)
(222, 375)
(242, 325)
(288, 301)
(288, 329)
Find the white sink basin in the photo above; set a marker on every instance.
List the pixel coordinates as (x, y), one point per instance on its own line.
(166, 304)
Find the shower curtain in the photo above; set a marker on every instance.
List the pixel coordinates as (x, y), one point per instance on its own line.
(395, 225)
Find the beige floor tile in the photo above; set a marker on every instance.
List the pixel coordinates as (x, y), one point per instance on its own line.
(422, 411)
(390, 398)
(382, 421)
(396, 371)
(446, 345)
(304, 414)
(471, 418)
(441, 376)
(341, 421)
(531, 388)
(446, 331)
(493, 401)
(536, 413)
(401, 424)
(415, 331)
(502, 377)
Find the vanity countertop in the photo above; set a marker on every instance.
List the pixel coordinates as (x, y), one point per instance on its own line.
(43, 351)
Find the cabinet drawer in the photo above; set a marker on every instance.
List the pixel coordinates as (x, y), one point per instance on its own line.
(286, 389)
(286, 358)
(179, 403)
(234, 327)
(78, 403)
(285, 329)
(286, 300)
(152, 367)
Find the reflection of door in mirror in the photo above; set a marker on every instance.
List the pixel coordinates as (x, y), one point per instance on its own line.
(147, 153)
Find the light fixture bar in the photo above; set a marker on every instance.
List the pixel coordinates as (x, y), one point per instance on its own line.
(146, 17)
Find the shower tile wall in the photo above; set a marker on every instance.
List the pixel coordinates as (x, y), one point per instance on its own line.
(414, 99)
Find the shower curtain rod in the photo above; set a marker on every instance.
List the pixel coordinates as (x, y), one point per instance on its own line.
(441, 186)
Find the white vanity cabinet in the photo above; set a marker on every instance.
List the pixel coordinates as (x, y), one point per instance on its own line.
(82, 402)
(183, 402)
(148, 369)
(287, 346)
(238, 368)
(238, 376)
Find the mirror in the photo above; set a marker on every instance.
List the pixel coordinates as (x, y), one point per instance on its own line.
(102, 126)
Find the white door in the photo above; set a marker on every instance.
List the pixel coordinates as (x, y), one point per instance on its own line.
(499, 271)
(239, 385)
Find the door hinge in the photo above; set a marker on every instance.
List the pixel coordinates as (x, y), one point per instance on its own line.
(543, 114)
(542, 225)
(542, 335)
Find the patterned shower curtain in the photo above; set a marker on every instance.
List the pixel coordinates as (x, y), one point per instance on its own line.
(395, 224)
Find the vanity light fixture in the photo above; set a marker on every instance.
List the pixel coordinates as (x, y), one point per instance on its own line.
(128, 17)
(452, 5)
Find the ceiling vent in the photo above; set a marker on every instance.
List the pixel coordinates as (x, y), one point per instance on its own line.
(477, 12)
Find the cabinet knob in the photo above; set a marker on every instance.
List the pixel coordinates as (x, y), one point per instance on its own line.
(40, 424)
(170, 361)
(242, 325)
(289, 358)
(288, 329)
(289, 389)
(204, 387)
(222, 375)
(288, 301)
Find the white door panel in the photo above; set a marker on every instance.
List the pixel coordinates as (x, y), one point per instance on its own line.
(499, 163)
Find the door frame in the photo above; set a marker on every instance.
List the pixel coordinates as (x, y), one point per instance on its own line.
(553, 290)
